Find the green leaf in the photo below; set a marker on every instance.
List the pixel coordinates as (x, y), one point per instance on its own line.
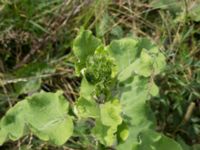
(84, 46)
(105, 134)
(33, 69)
(134, 106)
(127, 72)
(32, 72)
(159, 62)
(122, 132)
(45, 114)
(106, 127)
(86, 108)
(150, 62)
(53, 123)
(152, 140)
(153, 89)
(135, 94)
(145, 43)
(29, 86)
(110, 113)
(13, 123)
(3, 136)
(124, 52)
(86, 89)
(144, 65)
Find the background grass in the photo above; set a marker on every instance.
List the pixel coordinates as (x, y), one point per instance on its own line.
(35, 53)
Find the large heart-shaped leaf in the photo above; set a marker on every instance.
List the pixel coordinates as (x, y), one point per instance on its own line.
(45, 114)
(124, 52)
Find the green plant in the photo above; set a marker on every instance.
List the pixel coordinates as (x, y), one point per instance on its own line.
(118, 104)
(117, 84)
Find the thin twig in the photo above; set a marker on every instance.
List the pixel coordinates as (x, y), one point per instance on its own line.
(9, 81)
(6, 92)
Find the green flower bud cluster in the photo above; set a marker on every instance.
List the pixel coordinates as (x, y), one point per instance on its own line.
(98, 68)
